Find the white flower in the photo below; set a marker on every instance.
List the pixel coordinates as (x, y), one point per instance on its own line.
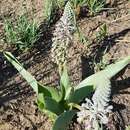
(90, 114)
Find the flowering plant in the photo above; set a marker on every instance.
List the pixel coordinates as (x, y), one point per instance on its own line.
(61, 103)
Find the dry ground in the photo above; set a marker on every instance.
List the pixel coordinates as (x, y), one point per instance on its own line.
(18, 110)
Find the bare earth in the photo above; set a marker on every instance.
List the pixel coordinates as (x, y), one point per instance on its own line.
(18, 110)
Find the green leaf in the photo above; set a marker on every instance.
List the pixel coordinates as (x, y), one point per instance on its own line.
(64, 83)
(50, 92)
(53, 106)
(65, 78)
(51, 115)
(30, 79)
(50, 10)
(37, 87)
(40, 102)
(64, 120)
(50, 104)
(79, 94)
(106, 74)
(113, 69)
(62, 95)
(102, 84)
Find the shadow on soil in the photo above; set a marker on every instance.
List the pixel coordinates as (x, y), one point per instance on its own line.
(11, 85)
(98, 52)
(88, 69)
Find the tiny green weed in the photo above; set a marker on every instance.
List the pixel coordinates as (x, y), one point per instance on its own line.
(77, 3)
(102, 33)
(83, 39)
(50, 10)
(100, 65)
(10, 34)
(95, 6)
(22, 34)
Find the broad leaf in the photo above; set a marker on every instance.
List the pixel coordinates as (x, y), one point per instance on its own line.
(51, 115)
(50, 104)
(64, 120)
(50, 92)
(102, 84)
(79, 94)
(113, 69)
(62, 90)
(30, 79)
(53, 106)
(106, 74)
(37, 87)
(64, 83)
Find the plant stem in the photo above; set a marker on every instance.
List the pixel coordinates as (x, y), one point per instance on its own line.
(73, 105)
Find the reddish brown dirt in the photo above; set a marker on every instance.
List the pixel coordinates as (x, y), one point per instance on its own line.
(18, 110)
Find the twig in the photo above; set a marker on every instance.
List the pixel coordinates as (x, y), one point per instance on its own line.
(123, 41)
(120, 18)
(103, 9)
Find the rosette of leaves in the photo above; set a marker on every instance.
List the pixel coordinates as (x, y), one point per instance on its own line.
(60, 102)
